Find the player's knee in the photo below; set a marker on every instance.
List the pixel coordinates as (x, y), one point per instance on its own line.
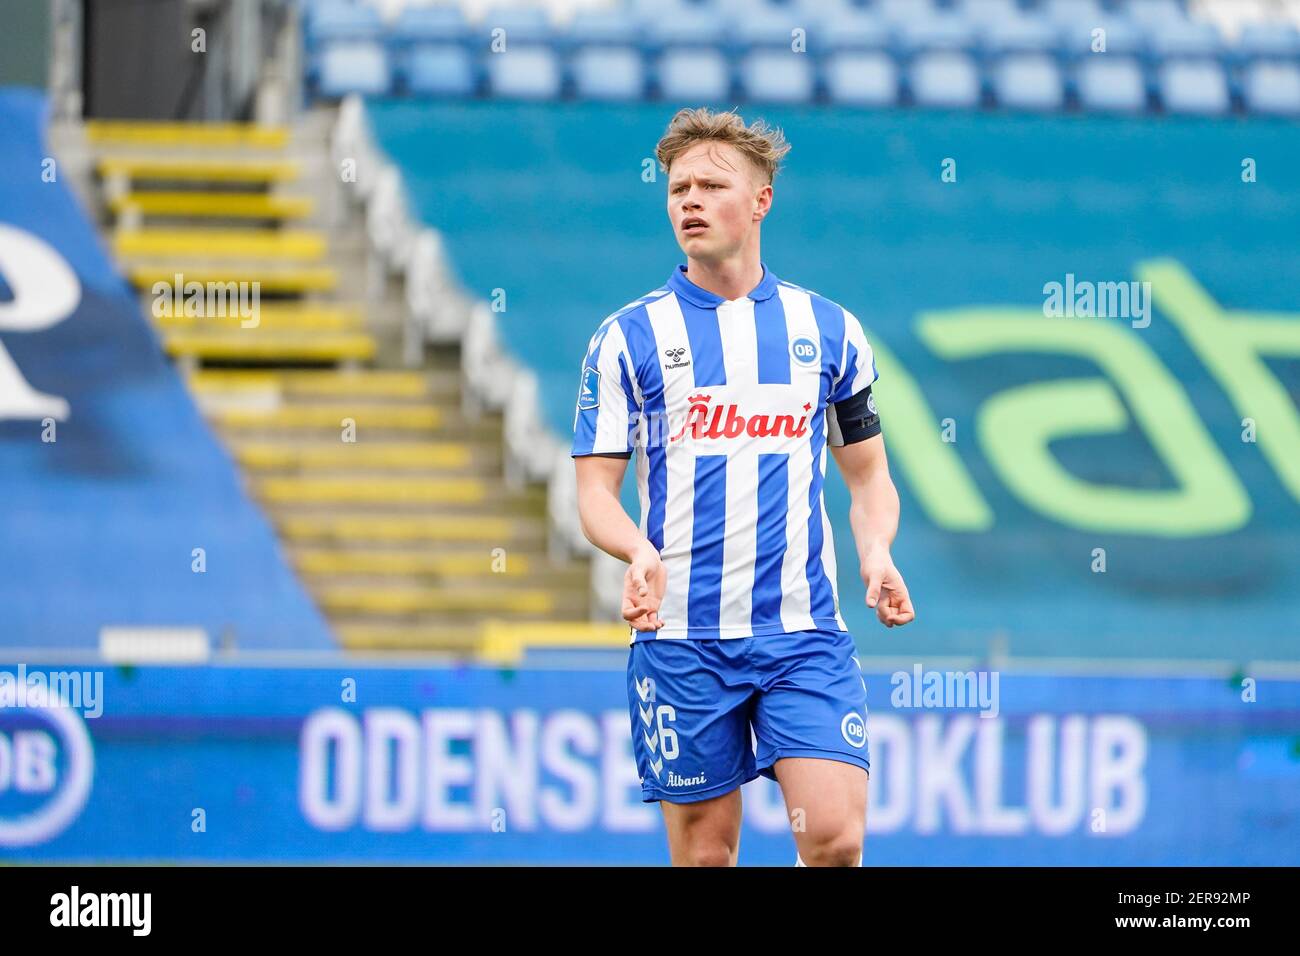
(836, 849)
(709, 853)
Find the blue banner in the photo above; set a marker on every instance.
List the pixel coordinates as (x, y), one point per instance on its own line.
(475, 765)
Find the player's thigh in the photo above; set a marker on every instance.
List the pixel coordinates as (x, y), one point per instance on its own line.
(826, 801)
(813, 706)
(704, 832)
(690, 705)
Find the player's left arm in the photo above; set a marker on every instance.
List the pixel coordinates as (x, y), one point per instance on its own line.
(873, 516)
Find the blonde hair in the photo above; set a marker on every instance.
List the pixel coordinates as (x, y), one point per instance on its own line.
(763, 146)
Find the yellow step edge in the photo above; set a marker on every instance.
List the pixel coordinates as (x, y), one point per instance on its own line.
(268, 280)
(216, 205)
(376, 383)
(288, 347)
(403, 528)
(266, 456)
(331, 415)
(150, 133)
(405, 562)
(197, 170)
(504, 642)
(413, 600)
(268, 318)
(355, 490)
(401, 636)
(221, 243)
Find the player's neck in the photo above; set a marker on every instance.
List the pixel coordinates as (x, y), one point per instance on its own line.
(731, 278)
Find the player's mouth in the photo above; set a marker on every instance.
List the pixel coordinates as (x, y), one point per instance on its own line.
(693, 226)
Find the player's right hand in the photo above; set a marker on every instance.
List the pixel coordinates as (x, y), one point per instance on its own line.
(643, 589)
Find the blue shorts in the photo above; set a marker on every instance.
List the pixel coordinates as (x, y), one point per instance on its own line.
(693, 704)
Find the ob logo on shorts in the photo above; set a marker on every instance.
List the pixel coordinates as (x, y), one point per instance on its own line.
(853, 729)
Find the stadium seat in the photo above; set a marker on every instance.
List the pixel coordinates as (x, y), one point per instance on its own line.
(439, 69)
(931, 33)
(1185, 39)
(441, 24)
(1194, 86)
(524, 72)
(524, 26)
(691, 27)
(1062, 12)
(694, 74)
(1021, 34)
(608, 73)
(1155, 16)
(1267, 40)
(987, 11)
(348, 66)
(772, 28)
(944, 78)
(901, 11)
(1110, 84)
(1271, 88)
(851, 31)
(777, 76)
(340, 20)
(602, 27)
(861, 78)
(1122, 37)
(1028, 81)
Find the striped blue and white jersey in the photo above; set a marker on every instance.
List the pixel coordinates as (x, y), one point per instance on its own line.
(727, 406)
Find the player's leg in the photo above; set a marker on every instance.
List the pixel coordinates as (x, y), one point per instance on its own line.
(690, 710)
(704, 833)
(826, 802)
(810, 724)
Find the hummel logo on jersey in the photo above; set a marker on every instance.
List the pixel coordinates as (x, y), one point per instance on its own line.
(756, 426)
(676, 781)
(675, 356)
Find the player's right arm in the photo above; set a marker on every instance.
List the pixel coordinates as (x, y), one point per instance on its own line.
(604, 426)
(608, 527)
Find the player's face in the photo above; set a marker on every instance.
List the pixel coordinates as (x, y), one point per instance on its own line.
(714, 200)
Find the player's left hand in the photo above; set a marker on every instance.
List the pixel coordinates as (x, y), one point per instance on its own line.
(886, 591)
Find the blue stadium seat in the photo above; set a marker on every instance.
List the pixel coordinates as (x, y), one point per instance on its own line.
(1123, 37)
(861, 78)
(523, 26)
(944, 78)
(353, 66)
(1062, 12)
(1028, 81)
(429, 25)
(694, 74)
(526, 72)
(777, 76)
(1267, 40)
(608, 73)
(1272, 88)
(987, 11)
(943, 32)
(439, 69)
(1186, 38)
(769, 28)
(1022, 34)
(902, 11)
(691, 27)
(1155, 15)
(609, 27)
(340, 20)
(1110, 84)
(1194, 86)
(852, 31)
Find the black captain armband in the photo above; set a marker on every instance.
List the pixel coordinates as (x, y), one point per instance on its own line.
(855, 419)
